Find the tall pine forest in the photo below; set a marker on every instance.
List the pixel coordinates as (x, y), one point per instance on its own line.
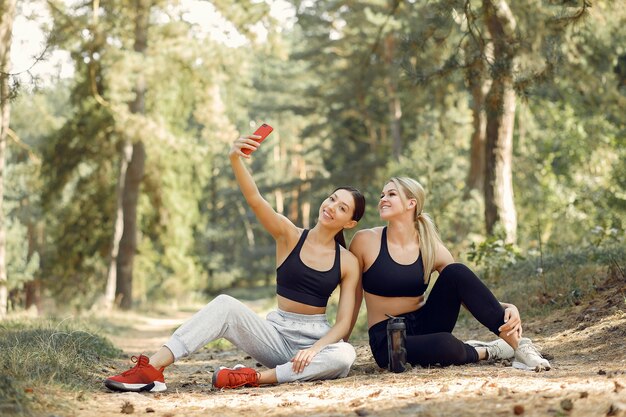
(115, 184)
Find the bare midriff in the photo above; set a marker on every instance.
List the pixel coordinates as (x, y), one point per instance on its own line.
(378, 306)
(285, 304)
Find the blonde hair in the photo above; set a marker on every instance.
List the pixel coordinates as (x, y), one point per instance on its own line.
(427, 234)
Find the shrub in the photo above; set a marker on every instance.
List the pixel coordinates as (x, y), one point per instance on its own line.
(38, 353)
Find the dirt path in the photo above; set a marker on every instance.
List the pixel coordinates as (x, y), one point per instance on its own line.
(586, 345)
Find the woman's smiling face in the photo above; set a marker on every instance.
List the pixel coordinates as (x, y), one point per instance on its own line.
(391, 201)
(337, 208)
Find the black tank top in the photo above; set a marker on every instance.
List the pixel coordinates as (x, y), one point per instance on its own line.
(298, 282)
(388, 278)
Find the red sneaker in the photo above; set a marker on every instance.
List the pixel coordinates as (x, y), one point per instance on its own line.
(142, 377)
(238, 376)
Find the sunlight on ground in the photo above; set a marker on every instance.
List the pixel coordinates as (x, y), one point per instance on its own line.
(417, 390)
(598, 331)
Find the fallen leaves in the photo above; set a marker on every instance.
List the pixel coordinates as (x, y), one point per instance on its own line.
(375, 393)
(355, 403)
(617, 409)
(127, 408)
(567, 404)
(588, 381)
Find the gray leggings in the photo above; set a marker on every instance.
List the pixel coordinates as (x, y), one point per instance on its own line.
(272, 342)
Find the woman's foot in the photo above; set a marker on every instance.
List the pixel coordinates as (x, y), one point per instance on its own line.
(528, 358)
(141, 377)
(496, 350)
(236, 377)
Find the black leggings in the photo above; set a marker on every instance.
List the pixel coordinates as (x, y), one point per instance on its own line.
(429, 338)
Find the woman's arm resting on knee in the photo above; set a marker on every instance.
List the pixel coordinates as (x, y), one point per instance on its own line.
(341, 329)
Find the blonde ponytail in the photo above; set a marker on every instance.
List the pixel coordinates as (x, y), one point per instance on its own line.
(428, 239)
(427, 233)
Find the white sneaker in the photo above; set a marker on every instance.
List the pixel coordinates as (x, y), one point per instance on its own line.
(528, 358)
(496, 350)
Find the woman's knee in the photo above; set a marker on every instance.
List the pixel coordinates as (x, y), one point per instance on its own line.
(342, 358)
(458, 271)
(223, 303)
(222, 307)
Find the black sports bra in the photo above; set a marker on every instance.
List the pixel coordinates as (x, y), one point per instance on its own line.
(387, 278)
(299, 282)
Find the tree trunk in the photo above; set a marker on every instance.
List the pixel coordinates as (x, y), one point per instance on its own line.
(368, 122)
(296, 168)
(213, 216)
(134, 173)
(479, 86)
(7, 13)
(32, 288)
(118, 227)
(128, 243)
(305, 194)
(246, 224)
(278, 193)
(500, 107)
(393, 104)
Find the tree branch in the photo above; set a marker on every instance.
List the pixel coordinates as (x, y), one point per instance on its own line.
(16, 139)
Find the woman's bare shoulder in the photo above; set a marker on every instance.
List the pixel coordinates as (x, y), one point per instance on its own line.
(346, 255)
(365, 239)
(368, 233)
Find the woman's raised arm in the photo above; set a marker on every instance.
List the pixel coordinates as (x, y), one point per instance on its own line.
(276, 224)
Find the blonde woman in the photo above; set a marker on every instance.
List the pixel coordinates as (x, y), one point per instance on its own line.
(396, 263)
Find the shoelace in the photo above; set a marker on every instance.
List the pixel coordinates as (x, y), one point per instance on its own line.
(134, 359)
(238, 379)
(531, 350)
(498, 351)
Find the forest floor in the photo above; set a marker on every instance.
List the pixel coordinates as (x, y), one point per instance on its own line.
(586, 345)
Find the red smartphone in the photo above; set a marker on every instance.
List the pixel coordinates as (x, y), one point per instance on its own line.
(264, 130)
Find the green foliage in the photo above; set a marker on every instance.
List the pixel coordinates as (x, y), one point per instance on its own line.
(442, 175)
(23, 266)
(23, 184)
(20, 181)
(542, 283)
(493, 256)
(180, 75)
(357, 92)
(571, 141)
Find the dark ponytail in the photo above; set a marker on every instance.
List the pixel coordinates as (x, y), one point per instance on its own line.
(340, 238)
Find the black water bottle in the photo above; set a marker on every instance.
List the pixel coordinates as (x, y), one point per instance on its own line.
(396, 340)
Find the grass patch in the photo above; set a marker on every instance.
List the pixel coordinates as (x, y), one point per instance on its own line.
(40, 354)
(561, 279)
(219, 344)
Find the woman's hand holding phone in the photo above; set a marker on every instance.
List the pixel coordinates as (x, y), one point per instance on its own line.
(261, 133)
(245, 145)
